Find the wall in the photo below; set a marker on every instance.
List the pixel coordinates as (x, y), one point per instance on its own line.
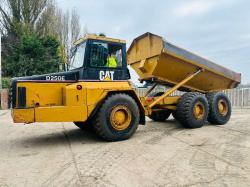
(4, 99)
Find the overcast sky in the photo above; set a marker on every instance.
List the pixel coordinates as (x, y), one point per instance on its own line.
(216, 29)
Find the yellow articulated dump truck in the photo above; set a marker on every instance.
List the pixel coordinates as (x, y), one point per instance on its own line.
(95, 91)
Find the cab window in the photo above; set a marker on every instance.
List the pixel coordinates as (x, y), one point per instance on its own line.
(105, 55)
(77, 56)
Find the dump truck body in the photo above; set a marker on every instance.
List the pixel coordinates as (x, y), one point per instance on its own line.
(156, 60)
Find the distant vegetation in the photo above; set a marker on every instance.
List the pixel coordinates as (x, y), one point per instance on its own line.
(36, 36)
(6, 82)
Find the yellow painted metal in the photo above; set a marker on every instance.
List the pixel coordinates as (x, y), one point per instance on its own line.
(199, 110)
(222, 107)
(95, 37)
(59, 102)
(170, 107)
(50, 114)
(188, 78)
(151, 60)
(97, 91)
(74, 97)
(145, 103)
(170, 100)
(26, 115)
(120, 117)
(46, 94)
(61, 114)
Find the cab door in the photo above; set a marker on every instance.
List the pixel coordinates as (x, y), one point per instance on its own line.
(98, 66)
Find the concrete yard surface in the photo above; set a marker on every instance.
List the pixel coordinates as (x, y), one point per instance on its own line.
(159, 154)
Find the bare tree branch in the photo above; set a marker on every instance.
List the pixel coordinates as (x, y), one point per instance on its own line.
(75, 26)
(5, 16)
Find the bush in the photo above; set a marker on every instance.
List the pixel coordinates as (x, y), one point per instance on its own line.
(6, 81)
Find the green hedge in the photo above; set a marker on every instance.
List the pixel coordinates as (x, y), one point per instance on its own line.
(6, 81)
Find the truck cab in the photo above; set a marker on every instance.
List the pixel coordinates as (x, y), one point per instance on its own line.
(90, 57)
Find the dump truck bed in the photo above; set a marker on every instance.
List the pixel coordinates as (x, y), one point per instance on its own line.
(157, 60)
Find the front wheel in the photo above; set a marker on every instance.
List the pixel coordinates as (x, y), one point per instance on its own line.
(118, 118)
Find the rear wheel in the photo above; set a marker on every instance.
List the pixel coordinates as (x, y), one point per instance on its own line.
(118, 118)
(192, 110)
(219, 108)
(174, 115)
(161, 115)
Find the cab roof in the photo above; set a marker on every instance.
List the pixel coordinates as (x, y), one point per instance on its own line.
(95, 37)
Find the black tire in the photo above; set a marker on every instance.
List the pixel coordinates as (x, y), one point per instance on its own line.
(174, 115)
(86, 126)
(215, 116)
(161, 115)
(102, 121)
(185, 110)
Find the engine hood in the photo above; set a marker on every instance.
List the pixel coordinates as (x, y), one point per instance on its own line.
(67, 76)
(54, 77)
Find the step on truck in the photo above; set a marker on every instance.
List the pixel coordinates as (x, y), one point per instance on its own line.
(94, 95)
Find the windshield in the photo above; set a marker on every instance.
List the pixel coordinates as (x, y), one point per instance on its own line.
(77, 56)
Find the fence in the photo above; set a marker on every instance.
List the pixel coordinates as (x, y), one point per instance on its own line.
(239, 97)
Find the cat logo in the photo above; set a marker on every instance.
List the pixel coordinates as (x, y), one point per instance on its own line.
(106, 75)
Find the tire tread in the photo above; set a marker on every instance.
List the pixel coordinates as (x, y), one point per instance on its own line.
(183, 109)
(213, 116)
(98, 122)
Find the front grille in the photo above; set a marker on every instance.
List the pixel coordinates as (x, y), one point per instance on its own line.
(10, 97)
(21, 97)
(12, 94)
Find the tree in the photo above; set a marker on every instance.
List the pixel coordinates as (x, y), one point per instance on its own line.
(75, 26)
(34, 55)
(25, 23)
(18, 16)
(63, 25)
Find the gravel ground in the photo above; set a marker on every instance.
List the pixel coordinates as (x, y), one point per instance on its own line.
(159, 154)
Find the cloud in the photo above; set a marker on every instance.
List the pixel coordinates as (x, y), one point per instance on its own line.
(199, 7)
(193, 8)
